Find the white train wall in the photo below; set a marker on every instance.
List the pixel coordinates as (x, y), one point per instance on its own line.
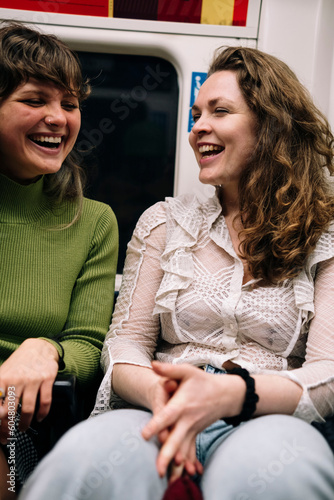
(300, 32)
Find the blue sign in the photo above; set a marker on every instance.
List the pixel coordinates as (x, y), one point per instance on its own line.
(196, 81)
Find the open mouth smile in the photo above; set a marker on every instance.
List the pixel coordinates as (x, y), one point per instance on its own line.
(210, 150)
(46, 141)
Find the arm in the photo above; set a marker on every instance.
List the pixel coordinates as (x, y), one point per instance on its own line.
(316, 376)
(91, 304)
(221, 396)
(33, 366)
(131, 342)
(190, 412)
(201, 398)
(142, 386)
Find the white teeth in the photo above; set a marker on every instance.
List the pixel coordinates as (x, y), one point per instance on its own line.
(207, 147)
(44, 138)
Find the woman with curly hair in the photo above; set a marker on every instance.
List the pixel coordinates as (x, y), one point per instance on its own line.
(58, 249)
(221, 350)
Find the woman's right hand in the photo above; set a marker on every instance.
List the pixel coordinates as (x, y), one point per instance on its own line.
(162, 391)
(30, 371)
(142, 386)
(200, 400)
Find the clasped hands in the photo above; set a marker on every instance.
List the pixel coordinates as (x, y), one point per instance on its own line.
(30, 371)
(190, 400)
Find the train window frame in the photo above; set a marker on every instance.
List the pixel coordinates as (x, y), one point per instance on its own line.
(127, 141)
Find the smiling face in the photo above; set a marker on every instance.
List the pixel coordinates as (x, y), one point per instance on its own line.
(224, 134)
(39, 124)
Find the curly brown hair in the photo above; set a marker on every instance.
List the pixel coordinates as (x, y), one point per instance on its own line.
(285, 198)
(26, 53)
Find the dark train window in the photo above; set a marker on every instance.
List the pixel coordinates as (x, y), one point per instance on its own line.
(128, 134)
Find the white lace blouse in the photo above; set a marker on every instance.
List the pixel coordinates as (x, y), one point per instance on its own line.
(182, 300)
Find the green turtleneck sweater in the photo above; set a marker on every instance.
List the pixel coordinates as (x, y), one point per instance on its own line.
(56, 283)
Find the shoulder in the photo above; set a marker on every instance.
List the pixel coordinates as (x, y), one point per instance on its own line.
(96, 224)
(325, 245)
(324, 249)
(93, 210)
(96, 207)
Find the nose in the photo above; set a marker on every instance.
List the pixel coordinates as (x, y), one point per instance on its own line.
(201, 126)
(55, 116)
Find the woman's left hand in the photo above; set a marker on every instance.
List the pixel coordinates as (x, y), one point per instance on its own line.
(179, 464)
(199, 400)
(29, 371)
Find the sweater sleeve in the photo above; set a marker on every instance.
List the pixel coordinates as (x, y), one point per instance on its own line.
(91, 303)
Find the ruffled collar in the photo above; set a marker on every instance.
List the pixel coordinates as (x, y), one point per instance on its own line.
(185, 217)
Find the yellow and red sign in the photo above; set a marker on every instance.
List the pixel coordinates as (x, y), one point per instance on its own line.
(218, 12)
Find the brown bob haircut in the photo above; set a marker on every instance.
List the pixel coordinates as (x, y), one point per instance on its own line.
(26, 53)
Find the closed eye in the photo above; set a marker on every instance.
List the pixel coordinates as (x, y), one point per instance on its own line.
(33, 102)
(221, 110)
(69, 106)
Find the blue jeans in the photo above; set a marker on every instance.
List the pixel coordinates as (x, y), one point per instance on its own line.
(209, 440)
(275, 457)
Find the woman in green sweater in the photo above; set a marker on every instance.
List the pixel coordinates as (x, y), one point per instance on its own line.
(58, 249)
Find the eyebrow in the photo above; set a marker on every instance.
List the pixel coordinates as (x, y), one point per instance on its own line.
(43, 93)
(36, 91)
(214, 102)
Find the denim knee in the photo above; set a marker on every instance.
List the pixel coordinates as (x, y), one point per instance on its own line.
(104, 457)
(271, 457)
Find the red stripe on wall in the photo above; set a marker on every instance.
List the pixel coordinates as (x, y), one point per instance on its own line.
(182, 11)
(240, 12)
(78, 7)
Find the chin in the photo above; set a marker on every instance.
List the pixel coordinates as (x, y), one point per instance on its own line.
(211, 182)
(50, 170)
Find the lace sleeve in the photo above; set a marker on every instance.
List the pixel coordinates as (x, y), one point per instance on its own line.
(134, 331)
(317, 373)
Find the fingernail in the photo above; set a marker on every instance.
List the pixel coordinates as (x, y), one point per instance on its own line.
(146, 435)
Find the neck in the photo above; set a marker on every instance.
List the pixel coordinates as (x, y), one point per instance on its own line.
(229, 200)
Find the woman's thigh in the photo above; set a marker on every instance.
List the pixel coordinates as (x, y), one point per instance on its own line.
(104, 457)
(273, 457)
